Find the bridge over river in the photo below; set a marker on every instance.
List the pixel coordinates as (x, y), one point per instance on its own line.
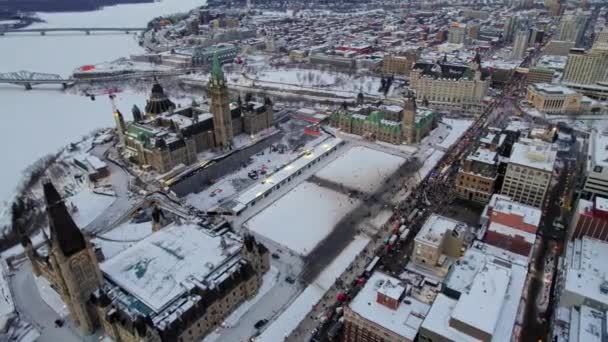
(86, 30)
(29, 78)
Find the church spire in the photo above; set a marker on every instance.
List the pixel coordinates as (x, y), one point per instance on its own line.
(64, 231)
(216, 70)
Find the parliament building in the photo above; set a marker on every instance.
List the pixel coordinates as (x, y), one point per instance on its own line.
(164, 136)
(176, 284)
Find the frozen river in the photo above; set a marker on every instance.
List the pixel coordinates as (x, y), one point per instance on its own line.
(37, 122)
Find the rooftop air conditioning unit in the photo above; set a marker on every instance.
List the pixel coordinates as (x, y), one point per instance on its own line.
(604, 287)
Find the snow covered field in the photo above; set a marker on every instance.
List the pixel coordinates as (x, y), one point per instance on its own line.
(302, 218)
(361, 168)
(256, 71)
(297, 311)
(89, 205)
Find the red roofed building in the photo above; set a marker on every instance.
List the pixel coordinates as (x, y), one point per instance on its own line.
(511, 225)
(590, 219)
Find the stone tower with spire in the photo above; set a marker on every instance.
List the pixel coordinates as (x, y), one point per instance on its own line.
(222, 119)
(71, 267)
(408, 123)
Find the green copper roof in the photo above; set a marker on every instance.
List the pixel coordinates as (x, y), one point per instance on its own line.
(216, 71)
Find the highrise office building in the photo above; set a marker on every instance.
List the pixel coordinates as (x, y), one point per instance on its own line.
(520, 44)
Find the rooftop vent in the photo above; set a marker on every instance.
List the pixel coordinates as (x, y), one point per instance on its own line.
(604, 287)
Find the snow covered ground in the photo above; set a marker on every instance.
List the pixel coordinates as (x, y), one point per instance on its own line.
(51, 297)
(361, 168)
(430, 162)
(458, 127)
(302, 218)
(299, 308)
(7, 307)
(238, 181)
(52, 119)
(89, 205)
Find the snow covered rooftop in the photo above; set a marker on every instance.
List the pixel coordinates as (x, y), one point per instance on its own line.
(483, 155)
(435, 228)
(587, 269)
(492, 289)
(530, 215)
(601, 203)
(535, 154)
(303, 217)
(361, 168)
(391, 289)
(254, 192)
(122, 237)
(591, 326)
(599, 149)
(404, 321)
(159, 268)
(552, 89)
(517, 126)
(480, 306)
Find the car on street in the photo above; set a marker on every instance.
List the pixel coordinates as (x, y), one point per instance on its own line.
(260, 323)
(290, 280)
(275, 256)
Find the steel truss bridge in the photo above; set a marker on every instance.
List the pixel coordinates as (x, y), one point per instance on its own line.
(86, 30)
(29, 78)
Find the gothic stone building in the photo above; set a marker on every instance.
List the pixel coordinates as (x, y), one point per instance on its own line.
(166, 136)
(177, 284)
(391, 124)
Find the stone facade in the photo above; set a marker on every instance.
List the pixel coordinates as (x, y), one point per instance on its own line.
(451, 87)
(554, 99)
(409, 125)
(166, 137)
(399, 65)
(476, 179)
(72, 269)
(220, 108)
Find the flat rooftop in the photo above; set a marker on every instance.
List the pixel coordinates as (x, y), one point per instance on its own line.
(531, 215)
(536, 155)
(361, 168)
(162, 266)
(492, 287)
(552, 89)
(480, 307)
(261, 188)
(599, 148)
(483, 155)
(404, 321)
(586, 268)
(435, 227)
